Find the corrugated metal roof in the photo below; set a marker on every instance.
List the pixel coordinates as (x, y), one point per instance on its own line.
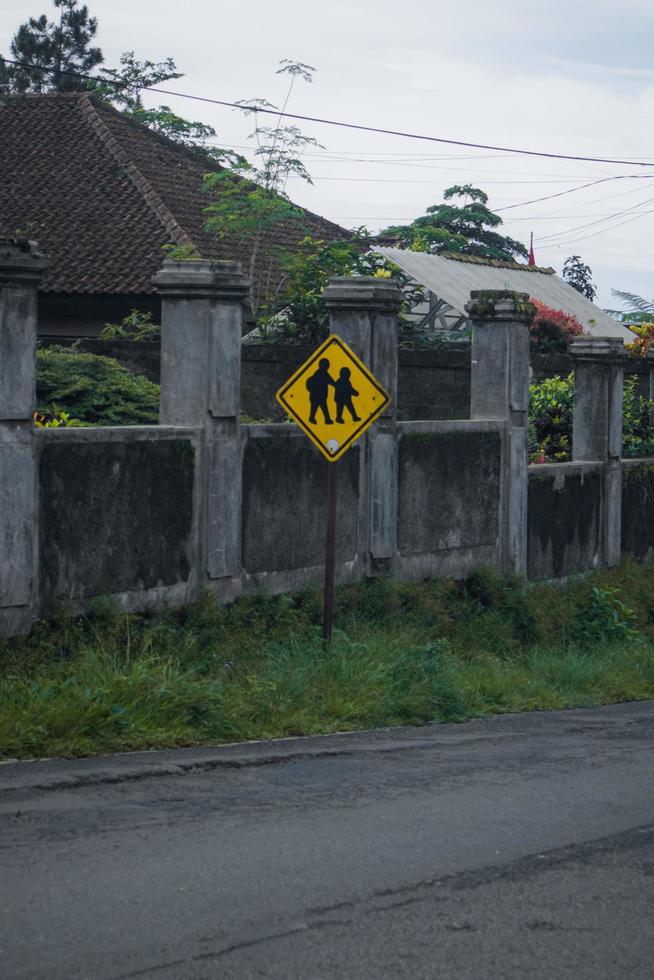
(452, 281)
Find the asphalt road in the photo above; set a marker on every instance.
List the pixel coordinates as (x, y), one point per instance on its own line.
(517, 847)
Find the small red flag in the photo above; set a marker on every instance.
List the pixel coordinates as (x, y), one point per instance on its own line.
(532, 258)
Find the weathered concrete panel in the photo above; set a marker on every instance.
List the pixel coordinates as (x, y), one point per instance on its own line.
(225, 358)
(223, 488)
(17, 516)
(383, 494)
(184, 358)
(489, 372)
(565, 518)
(17, 349)
(449, 490)
(434, 385)
(638, 508)
(115, 516)
(285, 504)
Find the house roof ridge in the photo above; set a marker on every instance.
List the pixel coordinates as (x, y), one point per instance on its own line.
(103, 193)
(90, 110)
(496, 263)
(37, 96)
(190, 152)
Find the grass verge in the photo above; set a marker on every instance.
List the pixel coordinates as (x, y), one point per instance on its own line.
(402, 654)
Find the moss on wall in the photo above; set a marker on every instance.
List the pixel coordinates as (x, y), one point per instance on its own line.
(564, 523)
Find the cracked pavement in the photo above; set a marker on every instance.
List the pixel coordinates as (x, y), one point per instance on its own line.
(518, 846)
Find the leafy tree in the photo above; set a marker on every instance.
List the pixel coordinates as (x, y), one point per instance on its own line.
(66, 47)
(59, 47)
(466, 228)
(250, 199)
(578, 275)
(123, 87)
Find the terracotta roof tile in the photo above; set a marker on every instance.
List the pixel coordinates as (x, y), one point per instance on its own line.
(101, 194)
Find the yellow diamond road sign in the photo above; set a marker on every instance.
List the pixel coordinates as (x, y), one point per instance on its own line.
(333, 397)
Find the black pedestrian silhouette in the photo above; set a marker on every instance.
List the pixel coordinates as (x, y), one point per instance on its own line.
(343, 394)
(318, 388)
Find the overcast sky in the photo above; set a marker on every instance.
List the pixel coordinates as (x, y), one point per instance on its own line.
(566, 76)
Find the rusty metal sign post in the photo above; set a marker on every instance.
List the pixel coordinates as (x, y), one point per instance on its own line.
(334, 398)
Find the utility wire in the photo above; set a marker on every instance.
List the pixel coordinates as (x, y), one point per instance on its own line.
(348, 157)
(416, 180)
(598, 221)
(343, 125)
(595, 234)
(593, 183)
(596, 200)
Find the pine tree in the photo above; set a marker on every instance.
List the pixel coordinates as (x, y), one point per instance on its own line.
(578, 275)
(52, 48)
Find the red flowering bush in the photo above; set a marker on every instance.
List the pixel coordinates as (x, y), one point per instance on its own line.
(552, 330)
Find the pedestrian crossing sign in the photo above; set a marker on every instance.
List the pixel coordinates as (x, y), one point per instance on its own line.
(333, 397)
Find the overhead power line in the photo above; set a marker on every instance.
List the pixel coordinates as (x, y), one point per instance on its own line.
(339, 123)
(595, 234)
(416, 180)
(598, 221)
(593, 183)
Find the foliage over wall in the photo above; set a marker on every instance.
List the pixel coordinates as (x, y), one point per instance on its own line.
(550, 421)
(552, 330)
(93, 389)
(644, 333)
(137, 325)
(297, 314)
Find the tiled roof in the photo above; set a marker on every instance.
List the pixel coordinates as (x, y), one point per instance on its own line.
(101, 194)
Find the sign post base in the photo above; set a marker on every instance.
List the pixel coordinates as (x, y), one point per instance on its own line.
(330, 555)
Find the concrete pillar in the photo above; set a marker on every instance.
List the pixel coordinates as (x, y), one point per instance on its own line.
(21, 268)
(500, 390)
(363, 312)
(201, 330)
(597, 424)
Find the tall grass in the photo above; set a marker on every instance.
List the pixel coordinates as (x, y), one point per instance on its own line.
(402, 654)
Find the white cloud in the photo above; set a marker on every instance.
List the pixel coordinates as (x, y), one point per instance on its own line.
(624, 71)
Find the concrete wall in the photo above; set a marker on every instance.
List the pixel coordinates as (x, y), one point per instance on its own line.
(284, 507)
(450, 497)
(118, 515)
(565, 519)
(638, 507)
(154, 515)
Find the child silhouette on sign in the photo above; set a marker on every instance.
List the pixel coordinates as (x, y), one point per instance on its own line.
(318, 388)
(343, 394)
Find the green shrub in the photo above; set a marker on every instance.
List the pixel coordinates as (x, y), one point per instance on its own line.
(638, 438)
(550, 416)
(604, 618)
(550, 420)
(552, 330)
(93, 389)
